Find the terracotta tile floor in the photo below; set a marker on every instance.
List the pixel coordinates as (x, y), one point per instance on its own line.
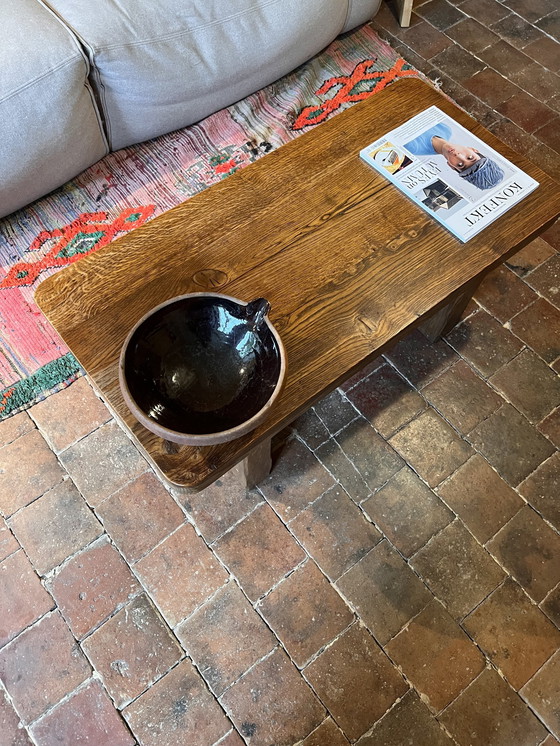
(395, 582)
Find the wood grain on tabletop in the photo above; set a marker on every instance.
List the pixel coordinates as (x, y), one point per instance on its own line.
(346, 261)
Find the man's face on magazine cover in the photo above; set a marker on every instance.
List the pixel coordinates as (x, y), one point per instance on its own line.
(459, 157)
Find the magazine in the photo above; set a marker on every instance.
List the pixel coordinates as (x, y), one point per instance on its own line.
(449, 172)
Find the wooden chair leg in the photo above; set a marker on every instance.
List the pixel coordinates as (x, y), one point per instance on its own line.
(404, 9)
(256, 466)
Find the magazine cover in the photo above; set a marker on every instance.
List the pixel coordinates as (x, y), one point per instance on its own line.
(449, 172)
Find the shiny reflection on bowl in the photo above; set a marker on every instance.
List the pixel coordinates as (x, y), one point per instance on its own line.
(202, 368)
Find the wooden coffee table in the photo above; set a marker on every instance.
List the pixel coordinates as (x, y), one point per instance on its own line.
(347, 262)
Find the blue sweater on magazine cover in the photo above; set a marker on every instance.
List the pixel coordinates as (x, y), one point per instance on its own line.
(469, 163)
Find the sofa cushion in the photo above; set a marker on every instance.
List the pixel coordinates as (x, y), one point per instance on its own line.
(159, 66)
(50, 128)
(360, 11)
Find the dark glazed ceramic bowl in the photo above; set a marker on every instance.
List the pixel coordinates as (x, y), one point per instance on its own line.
(202, 368)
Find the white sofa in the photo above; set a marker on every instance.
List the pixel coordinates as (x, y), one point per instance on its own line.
(79, 78)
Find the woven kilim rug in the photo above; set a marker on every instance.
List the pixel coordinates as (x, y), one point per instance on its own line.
(131, 186)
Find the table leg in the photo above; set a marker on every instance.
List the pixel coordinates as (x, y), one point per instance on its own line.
(256, 466)
(444, 320)
(404, 9)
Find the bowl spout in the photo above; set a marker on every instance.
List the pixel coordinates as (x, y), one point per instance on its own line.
(256, 311)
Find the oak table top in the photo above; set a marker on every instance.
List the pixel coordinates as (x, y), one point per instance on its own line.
(347, 262)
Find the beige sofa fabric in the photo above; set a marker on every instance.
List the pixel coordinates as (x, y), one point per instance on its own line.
(49, 124)
(158, 66)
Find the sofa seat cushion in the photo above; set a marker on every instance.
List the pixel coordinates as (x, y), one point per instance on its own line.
(159, 66)
(50, 127)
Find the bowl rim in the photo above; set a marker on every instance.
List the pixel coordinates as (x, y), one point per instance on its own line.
(200, 439)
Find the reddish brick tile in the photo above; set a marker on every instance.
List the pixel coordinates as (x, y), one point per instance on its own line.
(217, 508)
(225, 637)
(511, 445)
(335, 532)
(526, 111)
(11, 733)
(472, 35)
(490, 712)
(546, 82)
(529, 384)
(551, 605)
(420, 360)
(259, 551)
(532, 10)
(505, 59)
(335, 411)
(514, 136)
(41, 666)
(262, 704)
(462, 397)
(490, 86)
(311, 429)
(545, 51)
(544, 157)
(55, 526)
(484, 342)
(516, 30)
(177, 710)
(550, 427)
(481, 499)
(431, 447)
(384, 591)
(14, 427)
(333, 458)
(88, 717)
(550, 741)
(554, 102)
(503, 294)
(436, 656)
(457, 569)
(70, 414)
(180, 574)
(362, 373)
(407, 511)
(542, 692)
(356, 681)
(439, 13)
(408, 722)
(539, 326)
(368, 451)
(91, 586)
(231, 739)
(131, 650)
(550, 24)
(326, 733)
(140, 515)
(552, 235)
(549, 132)
(489, 10)
(22, 597)
(529, 549)
(28, 468)
(531, 257)
(386, 400)
(458, 63)
(102, 462)
(8, 544)
(386, 18)
(305, 612)
(546, 279)
(514, 634)
(425, 39)
(297, 479)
